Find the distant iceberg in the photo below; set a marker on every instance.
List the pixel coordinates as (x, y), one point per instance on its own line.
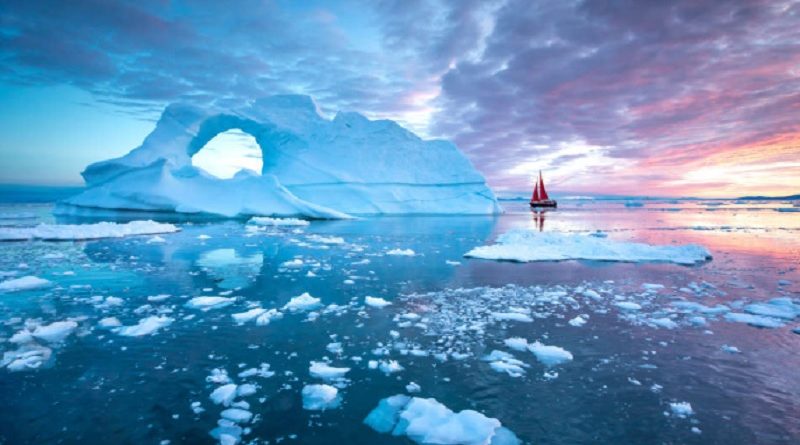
(313, 167)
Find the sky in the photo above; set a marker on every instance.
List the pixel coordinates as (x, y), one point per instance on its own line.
(663, 98)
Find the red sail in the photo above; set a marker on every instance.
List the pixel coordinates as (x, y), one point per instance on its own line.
(543, 193)
(535, 196)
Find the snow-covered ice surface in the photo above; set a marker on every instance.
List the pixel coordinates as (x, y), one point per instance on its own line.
(526, 245)
(312, 167)
(254, 332)
(69, 232)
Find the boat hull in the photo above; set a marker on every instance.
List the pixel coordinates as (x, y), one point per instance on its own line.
(544, 203)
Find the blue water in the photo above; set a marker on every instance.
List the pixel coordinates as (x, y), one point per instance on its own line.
(100, 387)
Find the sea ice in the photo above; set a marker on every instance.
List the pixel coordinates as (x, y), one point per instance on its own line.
(320, 397)
(209, 303)
(55, 332)
(267, 221)
(377, 302)
(301, 303)
(244, 317)
(550, 355)
(24, 283)
(426, 421)
(312, 166)
(322, 370)
(754, 320)
(146, 326)
(504, 362)
(526, 246)
(401, 252)
(516, 343)
(224, 395)
(64, 232)
(681, 409)
(236, 415)
(511, 316)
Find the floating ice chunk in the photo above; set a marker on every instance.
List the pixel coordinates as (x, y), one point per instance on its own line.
(754, 320)
(516, 343)
(652, 286)
(730, 349)
(578, 321)
(376, 302)
(28, 357)
(29, 282)
(265, 318)
(511, 316)
(326, 239)
(203, 237)
(628, 305)
(218, 376)
(504, 362)
(262, 371)
(224, 395)
(156, 240)
(267, 221)
(320, 397)
(390, 367)
(247, 389)
(334, 348)
(304, 302)
(322, 370)
(681, 409)
(589, 293)
(109, 322)
(526, 246)
(209, 303)
(236, 415)
(663, 322)
(550, 355)
(55, 332)
(426, 421)
(146, 326)
(774, 309)
(413, 388)
(401, 252)
(158, 298)
(244, 317)
(292, 264)
(63, 232)
(452, 263)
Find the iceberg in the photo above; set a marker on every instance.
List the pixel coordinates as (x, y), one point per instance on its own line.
(313, 167)
(526, 246)
(427, 421)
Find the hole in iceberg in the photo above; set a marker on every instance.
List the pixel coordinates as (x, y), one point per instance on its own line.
(229, 152)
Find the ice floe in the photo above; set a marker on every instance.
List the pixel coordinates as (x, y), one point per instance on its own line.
(526, 246)
(377, 302)
(427, 421)
(267, 221)
(146, 326)
(324, 371)
(318, 397)
(65, 232)
(28, 282)
(302, 303)
(209, 303)
(550, 355)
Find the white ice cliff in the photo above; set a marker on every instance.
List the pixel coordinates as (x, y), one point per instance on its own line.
(312, 167)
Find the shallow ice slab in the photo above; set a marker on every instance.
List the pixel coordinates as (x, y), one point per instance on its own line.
(55, 332)
(301, 303)
(146, 326)
(755, 320)
(64, 232)
(320, 397)
(550, 355)
(526, 246)
(29, 282)
(376, 302)
(209, 303)
(426, 421)
(324, 371)
(267, 221)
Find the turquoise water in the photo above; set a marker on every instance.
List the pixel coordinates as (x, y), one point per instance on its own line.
(100, 387)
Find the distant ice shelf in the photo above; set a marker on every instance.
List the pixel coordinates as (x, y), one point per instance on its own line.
(313, 167)
(71, 232)
(527, 246)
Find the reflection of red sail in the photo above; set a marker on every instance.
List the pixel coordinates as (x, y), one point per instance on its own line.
(542, 193)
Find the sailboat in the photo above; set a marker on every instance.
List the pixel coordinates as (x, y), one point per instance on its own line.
(540, 198)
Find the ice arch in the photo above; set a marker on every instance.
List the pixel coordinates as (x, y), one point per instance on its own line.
(312, 166)
(227, 153)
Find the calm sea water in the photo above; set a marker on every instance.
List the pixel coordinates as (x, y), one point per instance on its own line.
(100, 387)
